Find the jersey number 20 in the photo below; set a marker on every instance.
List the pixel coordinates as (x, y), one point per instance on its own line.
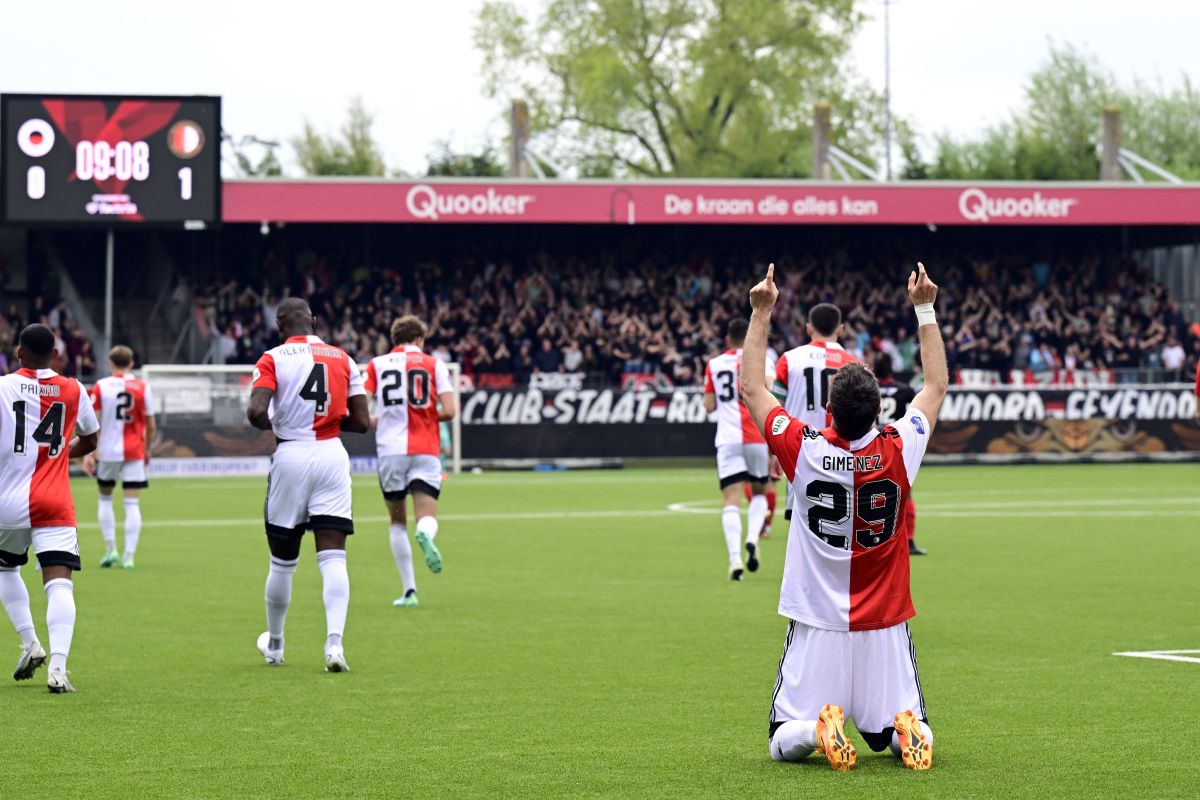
(418, 388)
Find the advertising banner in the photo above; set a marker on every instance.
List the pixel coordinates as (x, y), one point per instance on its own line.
(564, 417)
(698, 202)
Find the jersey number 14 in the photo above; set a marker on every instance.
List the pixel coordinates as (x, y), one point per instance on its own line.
(48, 433)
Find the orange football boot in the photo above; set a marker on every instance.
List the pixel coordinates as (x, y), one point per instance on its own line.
(832, 741)
(915, 749)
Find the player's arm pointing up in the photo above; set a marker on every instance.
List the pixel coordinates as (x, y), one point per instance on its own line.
(755, 394)
(923, 292)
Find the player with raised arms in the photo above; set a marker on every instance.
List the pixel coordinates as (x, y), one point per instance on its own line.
(845, 587)
(40, 413)
(742, 456)
(308, 393)
(895, 397)
(802, 374)
(413, 396)
(125, 408)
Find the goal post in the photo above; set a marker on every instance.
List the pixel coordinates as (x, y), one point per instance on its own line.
(200, 410)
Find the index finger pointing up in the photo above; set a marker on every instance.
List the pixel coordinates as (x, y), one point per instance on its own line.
(771, 272)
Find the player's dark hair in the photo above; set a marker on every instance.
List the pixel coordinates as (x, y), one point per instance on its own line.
(853, 401)
(883, 366)
(825, 319)
(37, 341)
(121, 357)
(407, 330)
(737, 331)
(294, 317)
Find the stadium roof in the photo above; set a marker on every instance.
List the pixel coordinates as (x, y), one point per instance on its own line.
(708, 202)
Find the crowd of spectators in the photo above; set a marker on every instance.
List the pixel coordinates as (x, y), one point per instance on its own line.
(77, 357)
(552, 312)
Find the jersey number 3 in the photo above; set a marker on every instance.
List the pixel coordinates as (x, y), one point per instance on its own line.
(48, 433)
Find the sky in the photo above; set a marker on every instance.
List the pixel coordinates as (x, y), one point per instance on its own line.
(956, 64)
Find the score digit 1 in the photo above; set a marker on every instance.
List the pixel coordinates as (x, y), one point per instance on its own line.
(35, 183)
(185, 183)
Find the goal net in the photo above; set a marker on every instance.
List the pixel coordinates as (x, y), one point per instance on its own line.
(200, 413)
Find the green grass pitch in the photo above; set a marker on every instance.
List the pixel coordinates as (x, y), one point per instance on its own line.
(583, 642)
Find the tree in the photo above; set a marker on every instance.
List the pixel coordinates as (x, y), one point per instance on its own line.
(679, 87)
(354, 152)
(445, 162)
(1054, 135)
(266, 165)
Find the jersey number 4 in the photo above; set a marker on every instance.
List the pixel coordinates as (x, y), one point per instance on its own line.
(418, 388)
(48, 433)
(877, 504)
(316, 388)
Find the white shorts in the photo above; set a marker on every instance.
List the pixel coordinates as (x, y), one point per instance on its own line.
(57, 546)
(399, 474)
(872, 675)
(131, 474)
(742, 462)
(309, 487)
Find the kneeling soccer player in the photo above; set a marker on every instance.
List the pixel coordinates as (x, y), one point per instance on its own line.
(846, 576)
(413, 395)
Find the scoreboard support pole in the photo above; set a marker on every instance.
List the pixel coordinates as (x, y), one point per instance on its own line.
(109, 269)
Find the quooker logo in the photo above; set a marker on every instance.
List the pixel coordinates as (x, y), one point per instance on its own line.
(977, 206)
(426, 202)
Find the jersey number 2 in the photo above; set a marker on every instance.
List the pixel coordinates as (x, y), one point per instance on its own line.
(48, 433)
(124, 407)
(316, 388)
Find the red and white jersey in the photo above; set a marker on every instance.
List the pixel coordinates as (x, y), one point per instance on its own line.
(734, 423)
(122, 404)
(802, 377)
(313, 383)
(40, 412)
(406, 383)
(847, 552)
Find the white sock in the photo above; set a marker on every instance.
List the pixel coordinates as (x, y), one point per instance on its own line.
(896, 739)
(108, 524)
(795, 740)
(60, 620)
(402, 551)
(15, 598)
(428, 526)
(133, 526)
(279, 597)
(336, 593)
(731, 522)
(755, 517)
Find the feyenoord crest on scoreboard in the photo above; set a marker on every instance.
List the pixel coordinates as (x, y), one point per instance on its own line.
(110, 160)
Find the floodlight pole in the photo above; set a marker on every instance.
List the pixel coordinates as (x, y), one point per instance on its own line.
(108, 295)
(887, 90)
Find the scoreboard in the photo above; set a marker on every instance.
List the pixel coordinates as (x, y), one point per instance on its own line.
(110, 160)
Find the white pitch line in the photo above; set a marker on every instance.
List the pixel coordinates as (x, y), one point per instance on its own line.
(494, 517)
(1163, 655)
